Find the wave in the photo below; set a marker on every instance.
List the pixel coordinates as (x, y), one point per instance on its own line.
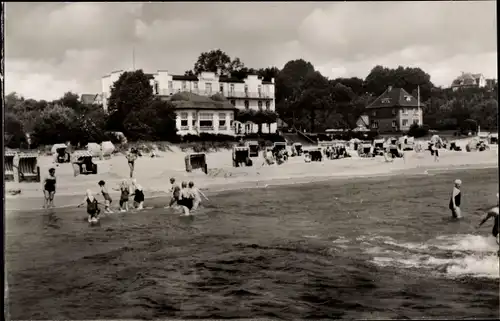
(461, 255)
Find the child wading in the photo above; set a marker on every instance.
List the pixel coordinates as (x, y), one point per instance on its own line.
(93, 210)
(124, 195)
(138, 195)
(107, 198)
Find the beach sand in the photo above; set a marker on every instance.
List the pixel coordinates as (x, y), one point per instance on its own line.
(154, 173)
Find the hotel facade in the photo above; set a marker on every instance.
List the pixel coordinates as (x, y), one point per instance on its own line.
(249, 93)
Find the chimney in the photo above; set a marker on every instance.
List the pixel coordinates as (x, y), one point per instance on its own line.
(389, 88)
(272, 80)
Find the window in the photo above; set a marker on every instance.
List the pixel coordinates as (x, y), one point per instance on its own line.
(394, 111)
(184, 121)
(231, 88)
(386, 100)
(222, 121)
(247, 104)
(415, 121)
(405, 122)
(394, 125)
(374, 113)
(208, 88)
(195, 85)
(183, 85)
(193, 121)
(206, 121)
(170, 84)
(233, 102)
(259, 90)
(246, 90)
(268, 105)
(405, 111)
(221, 88)
(374, 124)
(260, 105)
(157, 88)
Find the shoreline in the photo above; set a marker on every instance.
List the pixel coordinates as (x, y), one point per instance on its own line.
(262, 183)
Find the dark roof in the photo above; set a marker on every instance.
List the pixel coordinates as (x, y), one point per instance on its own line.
(395, 97)
(88, 99)
(187, 100)
(183, 77)
(230, 79)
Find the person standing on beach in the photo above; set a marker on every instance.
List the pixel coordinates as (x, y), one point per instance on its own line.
(131, 158)
(455, 200)
(124, 195)
(138, 195)
(49, 188)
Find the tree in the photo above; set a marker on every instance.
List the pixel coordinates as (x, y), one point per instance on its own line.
(132, 91)
(56, 124)
(215, 61)
(14, 134)
(157, 121)
(268, 73)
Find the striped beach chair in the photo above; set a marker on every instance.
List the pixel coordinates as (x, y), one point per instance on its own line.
(9, 165)
(27, 164)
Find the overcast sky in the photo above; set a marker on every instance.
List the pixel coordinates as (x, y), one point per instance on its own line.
(52, 48)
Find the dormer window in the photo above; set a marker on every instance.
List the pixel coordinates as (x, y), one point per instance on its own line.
(407, 98)
(386, 100)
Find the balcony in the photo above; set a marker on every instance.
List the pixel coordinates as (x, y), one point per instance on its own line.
(228, 94)
(247, 94)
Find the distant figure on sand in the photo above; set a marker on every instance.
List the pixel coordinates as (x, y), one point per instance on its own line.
(107, 199)
(493, 212)
(455, 199)
(49, 188)
(93, 210)
(138, 195)
(131, 158)
(124, 195)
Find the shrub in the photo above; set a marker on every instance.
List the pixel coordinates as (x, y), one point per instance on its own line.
(418, 131)
(14, 135)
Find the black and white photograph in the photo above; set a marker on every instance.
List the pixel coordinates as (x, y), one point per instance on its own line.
(250, 160)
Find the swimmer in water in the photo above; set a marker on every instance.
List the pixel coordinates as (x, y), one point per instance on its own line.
(455, 200)
(186, 199)
(93, 210)
(107, 199)
(124, 195)
(175, 190)
(195, 193)
(493, 212)
(138, 195)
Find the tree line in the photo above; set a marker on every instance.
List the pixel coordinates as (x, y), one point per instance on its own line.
(305, 99)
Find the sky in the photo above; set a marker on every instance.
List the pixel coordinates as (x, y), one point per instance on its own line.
(52, 48)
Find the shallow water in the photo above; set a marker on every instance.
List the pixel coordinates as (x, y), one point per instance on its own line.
(363, 248)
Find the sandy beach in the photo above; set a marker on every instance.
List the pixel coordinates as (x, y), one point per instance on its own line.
(153, 173)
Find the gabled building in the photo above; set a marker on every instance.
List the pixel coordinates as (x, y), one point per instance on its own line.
(249, 93)
(468, 80)
(394, 110)
(91, 99)
(200, 114)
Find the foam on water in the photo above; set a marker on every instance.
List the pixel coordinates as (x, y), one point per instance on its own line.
(450, 255)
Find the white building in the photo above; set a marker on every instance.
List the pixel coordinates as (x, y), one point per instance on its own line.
(249, 93)
(467, 80)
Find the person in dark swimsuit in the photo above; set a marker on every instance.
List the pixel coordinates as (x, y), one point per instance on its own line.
(107, 199)
(131, 158)
(493, 212)
(186, 199)
(124, 195)
(49, 188)
(138, 195)
(93, 210)
(176, 191)
(455, 200)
